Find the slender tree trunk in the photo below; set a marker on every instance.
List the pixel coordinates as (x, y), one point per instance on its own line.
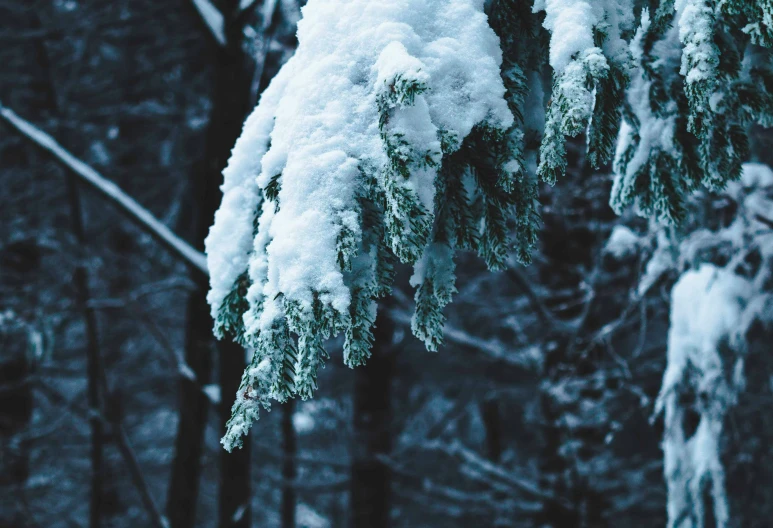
(189, 444)
(16, 363)
(92, 350)
(553, 469)
(289, 470)
(231, 101)
(234, 498)
(370, 479)
(15, 415)
(492, 423)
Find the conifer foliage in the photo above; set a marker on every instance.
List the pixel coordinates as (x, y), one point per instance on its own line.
(701, 79)
(720, 306)
(386, 138)
(401, 131)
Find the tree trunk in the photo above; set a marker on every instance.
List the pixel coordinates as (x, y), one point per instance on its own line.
(92, 351)
(289, 470)
(15, 415)
(231, 101)
(370, 477)
(492, 423)
(186, 466)
(234, 496)
(553, 469)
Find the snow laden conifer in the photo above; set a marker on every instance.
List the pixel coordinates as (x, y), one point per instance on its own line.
(404, 131)
(702, 77)
(387, 137)
(719, 304)
(591, 61)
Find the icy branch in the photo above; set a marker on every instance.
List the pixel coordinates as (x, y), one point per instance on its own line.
(213, 19)
(138, 214)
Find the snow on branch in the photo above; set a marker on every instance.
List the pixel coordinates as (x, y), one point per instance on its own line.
(138, 214)
(706, 311)
(213, 19)
(716, 314)
(388, 139)
(591, 63)
(666, 151)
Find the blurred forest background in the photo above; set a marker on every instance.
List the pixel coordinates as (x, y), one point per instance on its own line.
(113, 393)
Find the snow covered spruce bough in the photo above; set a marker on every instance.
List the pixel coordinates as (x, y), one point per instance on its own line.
(401, 131)
(358, 156)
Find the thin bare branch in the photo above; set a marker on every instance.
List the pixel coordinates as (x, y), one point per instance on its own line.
(213, 19)
(138, 214)
(129, 456)
(301, 485)
(767, 221)
(456, 449)
(546, 318)
(492, 348)
(124, 446)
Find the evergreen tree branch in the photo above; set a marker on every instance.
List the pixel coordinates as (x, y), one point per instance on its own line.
(109, 190)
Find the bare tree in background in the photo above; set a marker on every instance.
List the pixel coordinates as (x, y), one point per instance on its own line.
(371, 493)
(232, 99)
(239, 74)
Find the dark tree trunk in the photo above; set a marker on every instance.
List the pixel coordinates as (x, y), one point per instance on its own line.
(234, 496)
(93, 362)
(16, 364)
(553, 469)
(289, 470)
(232, 101)
(186, 466)
(577, 502)
(492, 423)
(15, 416)
(370, 479)
(555, 472)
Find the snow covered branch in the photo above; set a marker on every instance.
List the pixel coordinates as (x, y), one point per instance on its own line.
(404, 131)
(713, 310)
(352, 161)
(107, 189)
(213, 19)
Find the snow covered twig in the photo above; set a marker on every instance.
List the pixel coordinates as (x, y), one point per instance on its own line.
(130, 207)
(213, 19)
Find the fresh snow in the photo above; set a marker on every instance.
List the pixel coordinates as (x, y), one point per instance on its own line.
(700, 55)
(712, 310)
(320, 117)
(313, 136)
(231, 237)
(707, 305)
(571, 24)
(655, 133)
(622, 242)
